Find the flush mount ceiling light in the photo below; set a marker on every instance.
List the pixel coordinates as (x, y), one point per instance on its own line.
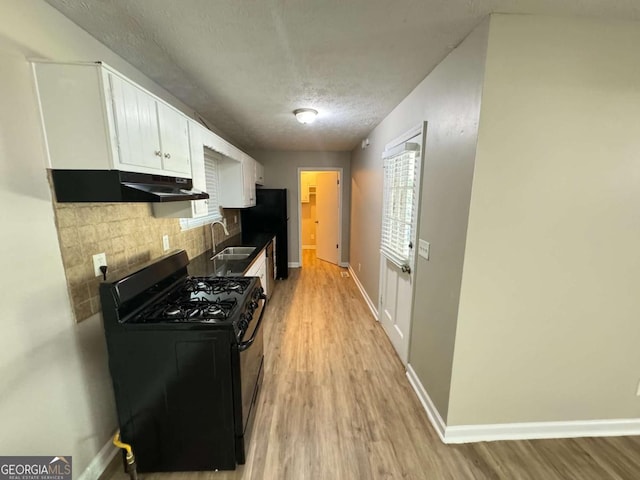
(305, 115)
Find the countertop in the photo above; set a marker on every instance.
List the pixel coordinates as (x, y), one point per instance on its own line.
(203, 266)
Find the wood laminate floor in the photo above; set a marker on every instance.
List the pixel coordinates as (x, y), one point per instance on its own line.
(336, 405)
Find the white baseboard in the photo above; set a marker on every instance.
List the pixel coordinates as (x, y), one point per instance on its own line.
(343, 264)
(308, 247)
(100, 462)
(537, 430)
(368, 301)
(519, 431)
(294, 264)
(432, 412)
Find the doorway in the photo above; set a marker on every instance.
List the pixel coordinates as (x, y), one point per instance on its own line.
(320, 214)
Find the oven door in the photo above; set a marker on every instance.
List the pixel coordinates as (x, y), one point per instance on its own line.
(251, 355)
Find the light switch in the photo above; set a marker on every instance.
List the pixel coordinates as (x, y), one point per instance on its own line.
(165, 242)
(423, 249)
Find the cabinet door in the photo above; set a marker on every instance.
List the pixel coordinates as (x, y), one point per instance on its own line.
(196, 144)
(259, 269)
(275, 259)
(193, 208)
(304, 187)
(249, 180)
(174, 140)
(259, 173)
(136, 126)
(262, 273)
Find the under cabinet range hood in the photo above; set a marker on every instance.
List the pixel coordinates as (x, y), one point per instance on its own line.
(116, 186)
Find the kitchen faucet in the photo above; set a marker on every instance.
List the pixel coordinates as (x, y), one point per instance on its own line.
(213, 232)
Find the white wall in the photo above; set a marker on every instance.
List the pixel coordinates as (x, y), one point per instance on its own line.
(281, 171)
(548, 326)
(56, 392)
(449, 100)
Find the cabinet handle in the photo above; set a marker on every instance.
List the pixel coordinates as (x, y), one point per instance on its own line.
(158, 153)
(167, 155)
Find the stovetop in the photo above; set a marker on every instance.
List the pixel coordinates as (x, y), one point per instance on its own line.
(200, 299)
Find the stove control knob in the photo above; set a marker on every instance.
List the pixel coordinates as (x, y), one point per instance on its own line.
(244, 321)
(253, 305)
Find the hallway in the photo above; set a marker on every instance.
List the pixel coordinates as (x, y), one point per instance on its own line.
(336, 405)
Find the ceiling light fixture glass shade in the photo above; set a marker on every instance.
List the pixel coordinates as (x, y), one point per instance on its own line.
(305, 115)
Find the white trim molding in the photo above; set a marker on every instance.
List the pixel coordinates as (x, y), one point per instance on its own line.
(519, 431)
(367, 300)
(341, 193)
(343, 264)
(294, 265)
(537, 430)
(100, 462)
(428, 405)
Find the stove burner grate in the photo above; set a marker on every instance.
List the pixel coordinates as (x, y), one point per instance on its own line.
(190, 310)
(216, 285)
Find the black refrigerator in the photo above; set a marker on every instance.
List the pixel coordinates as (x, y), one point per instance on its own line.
(270, 216)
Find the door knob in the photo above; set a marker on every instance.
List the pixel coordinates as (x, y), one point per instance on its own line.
(317, 221)
(167, 155)
(406, 268)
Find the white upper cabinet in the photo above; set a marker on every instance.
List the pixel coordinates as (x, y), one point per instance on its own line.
(308, 186)
(249, 178)
(174, 139)
(197, 133)
(136, 121)
(190, 208)
(95, 119)
(259, 173)
(236, 176)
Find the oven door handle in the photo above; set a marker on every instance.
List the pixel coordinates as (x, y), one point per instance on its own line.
(242, 346)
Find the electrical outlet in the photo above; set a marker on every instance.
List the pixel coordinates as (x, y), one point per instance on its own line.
(423, 249)
(99, 260)
(638, 390)
(165, 242)
(235, 219)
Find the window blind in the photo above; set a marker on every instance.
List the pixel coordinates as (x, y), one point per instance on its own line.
(211, 160)
(398, 211)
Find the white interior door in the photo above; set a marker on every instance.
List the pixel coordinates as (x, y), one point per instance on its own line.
(399, 227)
(395, 306)
(327, 216)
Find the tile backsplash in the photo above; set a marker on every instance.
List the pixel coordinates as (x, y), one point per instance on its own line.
(128, 234)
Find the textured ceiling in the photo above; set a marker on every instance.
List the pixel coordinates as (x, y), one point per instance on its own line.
(245, 65)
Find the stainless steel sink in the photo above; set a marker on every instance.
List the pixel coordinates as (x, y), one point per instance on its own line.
(238, 251)
(234, 253)
(231, 256)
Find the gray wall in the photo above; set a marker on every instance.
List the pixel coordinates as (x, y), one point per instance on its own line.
(548, 327)
(449, 100)
(281, 171)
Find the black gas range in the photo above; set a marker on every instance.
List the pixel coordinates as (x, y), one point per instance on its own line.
(185, 356)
